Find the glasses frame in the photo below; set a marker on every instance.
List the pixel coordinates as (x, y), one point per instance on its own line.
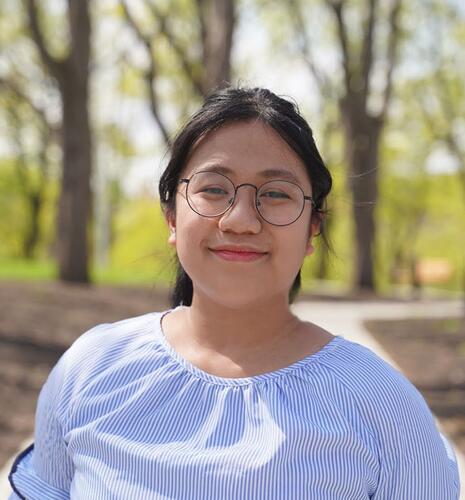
(257, 189)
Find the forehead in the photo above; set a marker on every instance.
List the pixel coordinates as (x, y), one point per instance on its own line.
(247, 150)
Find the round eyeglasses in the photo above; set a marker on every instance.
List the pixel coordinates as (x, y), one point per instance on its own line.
(278, 202)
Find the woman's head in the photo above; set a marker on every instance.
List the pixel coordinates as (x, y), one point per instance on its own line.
(248, 130)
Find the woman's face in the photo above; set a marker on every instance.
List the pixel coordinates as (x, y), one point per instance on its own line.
(247, 150)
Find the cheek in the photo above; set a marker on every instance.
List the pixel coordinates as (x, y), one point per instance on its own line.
(296, 237)
(191, 232)
(290, 250)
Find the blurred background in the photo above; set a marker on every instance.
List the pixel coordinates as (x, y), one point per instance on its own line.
(92, 92)
(91, 95)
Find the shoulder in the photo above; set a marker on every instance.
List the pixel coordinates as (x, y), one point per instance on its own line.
(367, 376)
(120, 335)
(107, 340)
(364, 383)
(110, 339)
(391, 408)
(411, 449)
(96, 351)
(381, 391)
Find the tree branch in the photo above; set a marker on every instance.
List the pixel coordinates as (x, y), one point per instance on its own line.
(20, 161)
(145, 39)
(202, 25)
(150, 75)
(337, 7)
(54, 65)
(187, 66)
(366, 62)
(323, 83)
(447, 109)
(14, 89)
(79, 26)
(393, 43)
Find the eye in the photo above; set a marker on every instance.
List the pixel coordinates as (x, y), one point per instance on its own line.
(275, 195)
(213, 190)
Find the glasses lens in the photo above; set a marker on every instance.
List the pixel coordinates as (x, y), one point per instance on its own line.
(280, 202)
(210, 193)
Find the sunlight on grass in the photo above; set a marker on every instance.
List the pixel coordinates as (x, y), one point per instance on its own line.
(154, 273)
(27, 270)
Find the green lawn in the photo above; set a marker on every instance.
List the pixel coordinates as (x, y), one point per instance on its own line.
(25, 270)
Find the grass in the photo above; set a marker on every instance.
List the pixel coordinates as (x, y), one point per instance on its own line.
(32, 270)
(27, 270)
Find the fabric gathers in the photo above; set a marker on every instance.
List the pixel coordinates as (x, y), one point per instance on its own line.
(123, 416)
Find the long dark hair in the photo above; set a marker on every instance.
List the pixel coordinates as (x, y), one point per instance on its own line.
(242, 104)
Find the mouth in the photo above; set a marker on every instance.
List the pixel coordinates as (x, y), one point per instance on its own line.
(238, 255)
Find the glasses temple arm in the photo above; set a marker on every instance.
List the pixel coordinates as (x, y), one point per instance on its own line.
(310, 199)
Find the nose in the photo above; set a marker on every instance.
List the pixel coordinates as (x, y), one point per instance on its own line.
(242, 216)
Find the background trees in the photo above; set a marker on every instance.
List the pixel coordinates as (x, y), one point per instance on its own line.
(363, 102)
(70, 70)
(203, 57)
(31, 163)
(91, 94)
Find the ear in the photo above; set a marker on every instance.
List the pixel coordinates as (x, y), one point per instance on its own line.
(310, 249)
(171, 221)
(315, 226)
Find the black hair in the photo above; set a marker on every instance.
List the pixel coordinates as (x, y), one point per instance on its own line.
(230, 105)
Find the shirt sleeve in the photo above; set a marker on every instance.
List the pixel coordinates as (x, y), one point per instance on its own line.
(44, 469)
(419, 463)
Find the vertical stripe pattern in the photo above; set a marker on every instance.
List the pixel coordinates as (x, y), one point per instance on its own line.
(123, 416)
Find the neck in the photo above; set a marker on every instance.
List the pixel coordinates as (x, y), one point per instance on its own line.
(245, 329)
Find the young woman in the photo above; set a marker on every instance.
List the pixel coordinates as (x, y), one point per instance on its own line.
(228, 395)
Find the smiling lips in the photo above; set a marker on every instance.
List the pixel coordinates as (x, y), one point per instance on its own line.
(238, 254)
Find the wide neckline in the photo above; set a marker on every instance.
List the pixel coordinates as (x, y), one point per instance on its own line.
(305, 362)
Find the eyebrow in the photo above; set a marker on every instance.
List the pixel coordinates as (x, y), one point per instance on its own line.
(270, 173)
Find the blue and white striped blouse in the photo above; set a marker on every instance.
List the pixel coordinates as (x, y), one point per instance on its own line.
(123, 416)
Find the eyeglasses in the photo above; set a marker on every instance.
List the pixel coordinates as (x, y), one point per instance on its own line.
(278, 202)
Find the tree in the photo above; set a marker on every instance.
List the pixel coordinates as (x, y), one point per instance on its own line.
(71, 73)
(363, 122)
(115, 148)
(20, 113)
(442, 93)
(205, 61)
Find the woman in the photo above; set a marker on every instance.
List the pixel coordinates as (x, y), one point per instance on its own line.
(228, 395)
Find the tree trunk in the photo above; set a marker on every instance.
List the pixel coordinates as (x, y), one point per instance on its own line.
(218, 20)
(75, 195)
(32, 234)
(72, 75)
(362, 136)
(324, 261)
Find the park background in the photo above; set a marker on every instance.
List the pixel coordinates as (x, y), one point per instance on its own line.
(91, 96)
(383, 91)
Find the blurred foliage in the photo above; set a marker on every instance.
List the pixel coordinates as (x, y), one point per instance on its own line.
(15, 214)
(420, 213)
(141, 238)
